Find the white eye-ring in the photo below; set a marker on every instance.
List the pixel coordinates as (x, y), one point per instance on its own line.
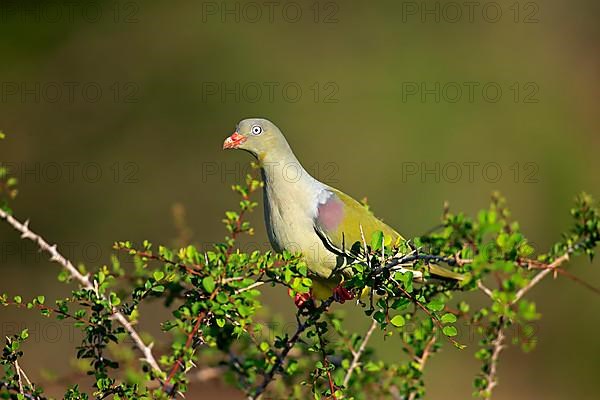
(257, 130)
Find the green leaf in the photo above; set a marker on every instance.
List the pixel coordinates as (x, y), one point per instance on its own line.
(63, 276)
(450, 331)
(464, 307)
(398, 320)
(209, 284)
(114, 299)
(436, 304)
(158, 275)
(244, 311)
(158, 289)
(231, 215)
(448, 318)
(377, 240)
(222, 298)
(379, 317)
(400, 303)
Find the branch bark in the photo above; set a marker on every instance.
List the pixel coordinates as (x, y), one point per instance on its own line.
(498, 342)
(357, 354)
(422, 360)
(491, 376)
(84, 280)
(541, 275)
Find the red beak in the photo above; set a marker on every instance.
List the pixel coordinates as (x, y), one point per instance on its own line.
(233, 141)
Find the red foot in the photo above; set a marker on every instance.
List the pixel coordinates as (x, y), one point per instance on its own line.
(341, 294)
(300, 299)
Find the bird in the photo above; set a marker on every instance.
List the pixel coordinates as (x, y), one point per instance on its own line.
(306, 216)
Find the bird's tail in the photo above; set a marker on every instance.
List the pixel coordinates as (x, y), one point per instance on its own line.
(442, 273)
(435, 271)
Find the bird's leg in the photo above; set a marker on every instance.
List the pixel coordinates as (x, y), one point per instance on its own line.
(301, 299)
(341, 294)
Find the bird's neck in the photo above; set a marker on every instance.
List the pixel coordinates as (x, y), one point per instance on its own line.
(285, 169)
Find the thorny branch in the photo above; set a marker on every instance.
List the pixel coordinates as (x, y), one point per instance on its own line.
(497, 346)
(309, 316)
(422, 360)
(541, 275)
(498, 342)
(358, 353)
(84, 280)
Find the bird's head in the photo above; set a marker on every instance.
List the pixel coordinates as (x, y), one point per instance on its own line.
(257, 136)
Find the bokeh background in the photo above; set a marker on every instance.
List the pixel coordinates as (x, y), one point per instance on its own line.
(116, 112)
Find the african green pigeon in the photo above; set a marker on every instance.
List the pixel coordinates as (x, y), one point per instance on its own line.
(307, 216)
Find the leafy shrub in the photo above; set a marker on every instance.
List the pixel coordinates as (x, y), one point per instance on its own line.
(216, 323)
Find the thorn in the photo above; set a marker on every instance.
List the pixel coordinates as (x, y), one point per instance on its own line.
(28, 235)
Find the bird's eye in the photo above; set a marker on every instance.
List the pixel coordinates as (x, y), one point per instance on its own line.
(257, 130)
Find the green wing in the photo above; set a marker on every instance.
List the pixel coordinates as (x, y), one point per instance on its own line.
(339, 222)
(342, 221)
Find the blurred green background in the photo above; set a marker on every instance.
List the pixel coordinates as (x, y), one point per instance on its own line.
(116, 111)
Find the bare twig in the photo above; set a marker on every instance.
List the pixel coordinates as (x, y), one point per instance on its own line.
(485, 289)
(24, 375)
(422, 360)
(250, 287)
(19, 377)
(541, 275)
(491, 375)
(357, 354)
(546, 269)
(427, 351)
(498, 342)
(84, 280)
(145, 349)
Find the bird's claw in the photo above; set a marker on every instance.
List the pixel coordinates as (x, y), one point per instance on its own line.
(341, 294)
(302, 299)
